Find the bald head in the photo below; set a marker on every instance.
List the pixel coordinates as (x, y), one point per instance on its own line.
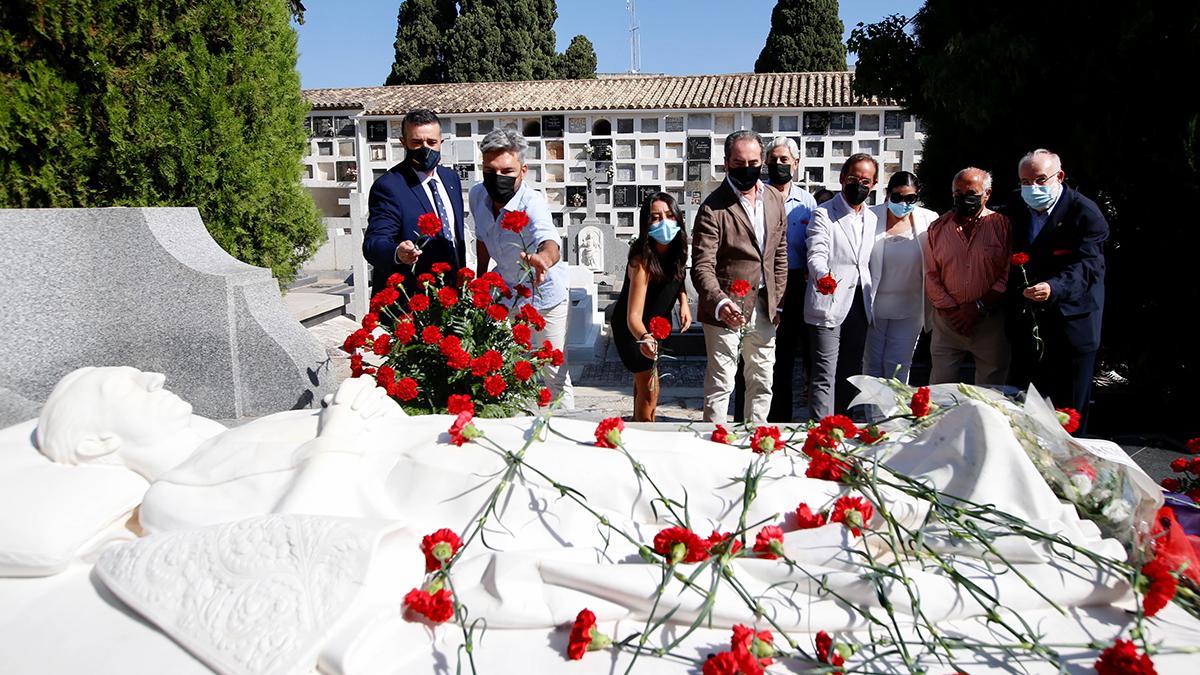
(972, 180)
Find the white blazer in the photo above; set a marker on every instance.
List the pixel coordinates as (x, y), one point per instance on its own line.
(838, 245)
(922, 219)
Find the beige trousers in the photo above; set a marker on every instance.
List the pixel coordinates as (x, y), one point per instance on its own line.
(988, 344)
(758, 356)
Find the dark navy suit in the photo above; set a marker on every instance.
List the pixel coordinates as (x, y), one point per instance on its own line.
(397, 200)
(1068, 253)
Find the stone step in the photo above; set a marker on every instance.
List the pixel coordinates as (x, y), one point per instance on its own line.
(311, 308)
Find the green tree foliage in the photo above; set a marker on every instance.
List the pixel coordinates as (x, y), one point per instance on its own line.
(1105, 87)
(883, 49)
(422, 27)
(578, 62)
(806, 36)
(164, 103)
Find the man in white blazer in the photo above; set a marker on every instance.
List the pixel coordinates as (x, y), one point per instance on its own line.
(840, 239)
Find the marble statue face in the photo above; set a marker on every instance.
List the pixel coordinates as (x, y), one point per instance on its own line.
(116, 415)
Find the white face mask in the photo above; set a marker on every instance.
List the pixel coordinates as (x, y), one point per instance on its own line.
(664, 231)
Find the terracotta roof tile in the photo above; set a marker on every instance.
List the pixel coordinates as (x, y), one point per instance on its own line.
(657, 92)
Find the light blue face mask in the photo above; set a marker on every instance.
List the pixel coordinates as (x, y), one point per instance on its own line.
(664, 231)
(1039, 197)
(900, 210)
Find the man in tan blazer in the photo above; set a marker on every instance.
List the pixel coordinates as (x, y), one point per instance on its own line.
(740, 235)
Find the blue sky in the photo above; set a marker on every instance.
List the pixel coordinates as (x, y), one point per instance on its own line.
(349, 44)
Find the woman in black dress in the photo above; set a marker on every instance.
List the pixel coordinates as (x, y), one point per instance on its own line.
(653, 284)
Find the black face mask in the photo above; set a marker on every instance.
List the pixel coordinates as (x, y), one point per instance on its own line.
(744, 177)
(778, 173)
(423, 158)
(499, 187)
(855, 192)
(967, 205)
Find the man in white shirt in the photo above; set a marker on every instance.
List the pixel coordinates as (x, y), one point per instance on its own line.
(530, 261)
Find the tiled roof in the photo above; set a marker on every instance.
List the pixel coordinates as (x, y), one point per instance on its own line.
(767, 90)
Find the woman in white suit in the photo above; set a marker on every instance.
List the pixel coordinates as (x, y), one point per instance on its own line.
(897, 284)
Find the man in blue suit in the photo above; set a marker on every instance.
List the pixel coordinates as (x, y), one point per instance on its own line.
(414, 187)
(1063, 233)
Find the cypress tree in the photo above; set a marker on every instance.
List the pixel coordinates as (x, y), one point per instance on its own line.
(806, 36)
(422, 26)
(578, 61)
(160, 103)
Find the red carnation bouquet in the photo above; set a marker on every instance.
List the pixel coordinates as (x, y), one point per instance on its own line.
(660, 329)
(454, 346)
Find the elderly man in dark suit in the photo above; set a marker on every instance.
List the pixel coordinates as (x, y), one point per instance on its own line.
(739, 269)
(1061, 287)
(412, 188)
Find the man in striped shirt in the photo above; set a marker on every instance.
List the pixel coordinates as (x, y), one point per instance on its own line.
(966, 274)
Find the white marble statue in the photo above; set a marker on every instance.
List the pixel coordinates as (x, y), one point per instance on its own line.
(70, 480)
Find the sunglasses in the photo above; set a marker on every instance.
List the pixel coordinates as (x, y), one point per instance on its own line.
(897, 198)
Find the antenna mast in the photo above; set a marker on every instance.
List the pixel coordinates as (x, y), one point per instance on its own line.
(635, 43)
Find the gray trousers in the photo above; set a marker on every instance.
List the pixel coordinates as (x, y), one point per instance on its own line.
(837, 353)
(988, 344)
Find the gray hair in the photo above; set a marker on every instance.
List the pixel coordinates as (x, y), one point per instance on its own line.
(987, 177)
(783, 140)
(1055, 162)
(504, 140)
(741, 135)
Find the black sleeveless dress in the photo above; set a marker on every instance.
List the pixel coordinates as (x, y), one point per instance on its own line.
(660, 301)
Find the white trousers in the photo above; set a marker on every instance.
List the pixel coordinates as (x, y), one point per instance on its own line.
(558, 380)
(758, 356)
(890, 345)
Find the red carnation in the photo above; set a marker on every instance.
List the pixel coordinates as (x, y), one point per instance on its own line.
(608, 432)
(406, 389)
(920, 402)
(462, 430)
(660, 328)
(1180, 464)
(514, 221)
(405, 332)
(1019, 259)
(437, 607)
(524, 291)
(356, 340)
(383, 345)
(1122, 658)
(1160, 588)
(720, 435)
(817, 439)
(806, 519)
(838, 427)
(523, 370)
(530, 314)
(459, 359)
(431, 335)
(386, 378)
(1069, 418)
(425, 279)
(450, 344)
(481, 299)
(498, 312)
(758, 646)
(439, 267)
(549, 353)
(823, 466)
(465, 275)
(826, 285)
(768, 543)
(494, 360)
(724, 663)
(871, 435)
(680, 545)
(395, 279)
(825, 651)
(853, 512)
(384, 298)
(448, 297)
(766, 440)
(370, 321)
(439, 547)
(356, 365)
(544, 397)
(584, 636)
(522, 335)
(418, 302)
(494, 385)
(1193, 446)
(1171, 484)
(739, 287)
(429, 224)
(717, 542)
(458, 403)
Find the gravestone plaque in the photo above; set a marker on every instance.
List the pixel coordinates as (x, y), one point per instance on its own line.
(675, 124)
(697, 171)
(323, 126)
(465, 171)
(344, 126)
(699, 147)
(552, 126)
(625, 196)
(647, 190)
(161, 296)
(577, 125)
(602, 149)
(577, 196)
(377, 131)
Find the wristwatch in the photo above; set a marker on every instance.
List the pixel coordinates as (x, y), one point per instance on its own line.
(982, 308)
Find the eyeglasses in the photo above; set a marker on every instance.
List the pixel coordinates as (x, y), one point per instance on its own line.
(1040, 180)
(897, 198)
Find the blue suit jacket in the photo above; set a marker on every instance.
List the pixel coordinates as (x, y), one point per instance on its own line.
(396, 201)
(1068, 253)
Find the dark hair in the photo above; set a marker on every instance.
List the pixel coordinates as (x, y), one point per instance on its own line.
(675, 260)
(418, 118)
(855, 159)
(817, 195)
(742, 135)
(903, 179)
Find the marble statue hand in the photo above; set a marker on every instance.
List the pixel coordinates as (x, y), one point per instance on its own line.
(356, 409)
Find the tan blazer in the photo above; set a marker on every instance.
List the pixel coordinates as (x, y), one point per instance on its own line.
(724, 249)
